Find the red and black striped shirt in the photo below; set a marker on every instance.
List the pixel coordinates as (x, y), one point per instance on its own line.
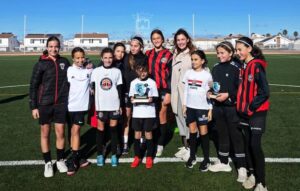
(160, 64)
(253, 91)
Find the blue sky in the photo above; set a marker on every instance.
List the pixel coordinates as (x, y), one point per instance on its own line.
(117, 17)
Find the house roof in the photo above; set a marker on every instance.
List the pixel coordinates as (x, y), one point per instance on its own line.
(233, 36)
(91, 35)
(209, 39)
(6, 35)
(41, 35)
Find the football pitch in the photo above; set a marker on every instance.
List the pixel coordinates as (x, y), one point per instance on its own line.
(20, 141)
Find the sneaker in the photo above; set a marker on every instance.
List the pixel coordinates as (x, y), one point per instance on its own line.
(181, 152)
(83, 163)
(114, 161)
(125, 149)
(260, 187)
(136, 162)
(204, 166)
(149, 162)
(160, 150)
(250, 182)
(72, 167)
(190, 163)
(242, 175)
(219, 167)
(61, 166)
(100, 160)
(48, 172)
(186, 155)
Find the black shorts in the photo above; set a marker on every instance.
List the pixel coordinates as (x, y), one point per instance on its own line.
(108, 115)
(143, 124)
(52, 113)
(77, 117)
(196, 115)
(127, 101)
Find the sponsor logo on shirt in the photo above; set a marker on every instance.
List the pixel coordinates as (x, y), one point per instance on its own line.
(106, 84)
(62, 66)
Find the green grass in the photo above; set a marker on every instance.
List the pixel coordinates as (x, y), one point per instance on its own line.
(20, 141)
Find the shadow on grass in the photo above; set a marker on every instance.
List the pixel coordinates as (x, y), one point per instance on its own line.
(12, 99)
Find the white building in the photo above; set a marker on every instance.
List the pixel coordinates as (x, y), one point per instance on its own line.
(91, 40)
(297, 44)
(257, 37)
(8, 42)
(232, 38)
(37, 42)
(276, 41)
(206, 44)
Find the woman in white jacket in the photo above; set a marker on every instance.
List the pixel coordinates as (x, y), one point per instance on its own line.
(181, 63)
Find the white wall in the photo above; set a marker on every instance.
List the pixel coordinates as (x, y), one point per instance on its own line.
(206, 45)
(87, 42)
(8, 44)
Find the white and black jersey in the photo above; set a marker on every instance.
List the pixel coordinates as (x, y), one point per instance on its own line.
(143, 87)
(79, 80)
(196, 85)
(106, 94)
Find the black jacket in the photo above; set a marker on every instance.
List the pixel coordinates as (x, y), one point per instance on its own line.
(49, 83)
(227, 74)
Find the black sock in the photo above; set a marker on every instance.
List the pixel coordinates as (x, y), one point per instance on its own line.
(137, 149)
(47, 156)
(114, 139)
(193, 145)
(150, 145)
(163, 134)
(99, 141)
(205, 146)
(75, 156)
(60, 154)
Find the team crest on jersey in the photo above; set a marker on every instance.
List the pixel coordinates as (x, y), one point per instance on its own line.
(141, 89)
(106, 84)
(164, 59)
(250, 77)
(62, 66)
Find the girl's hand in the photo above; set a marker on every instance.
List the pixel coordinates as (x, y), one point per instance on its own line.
(167, 99)
(222, 97)
(208, 94)
(209, 116)
(184, 110)
(35, 114)
(150, 100)
(131, 99)
(92, 92)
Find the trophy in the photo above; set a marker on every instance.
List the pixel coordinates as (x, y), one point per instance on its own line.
(142, 93)
(216, 88)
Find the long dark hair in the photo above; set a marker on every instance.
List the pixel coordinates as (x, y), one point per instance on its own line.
(51, 38)
(121, 45)
(77, 49)
(255, 52)
(157, 31)
(189, 44)
(202, 55)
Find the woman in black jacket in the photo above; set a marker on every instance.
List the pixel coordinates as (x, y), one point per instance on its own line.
(48, 101)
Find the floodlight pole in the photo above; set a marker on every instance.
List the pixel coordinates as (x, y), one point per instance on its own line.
(82, 17)
(249, 26)
(193, 26)
(24, 34)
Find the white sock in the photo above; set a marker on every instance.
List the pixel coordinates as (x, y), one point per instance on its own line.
(160, 147)
(125, 137)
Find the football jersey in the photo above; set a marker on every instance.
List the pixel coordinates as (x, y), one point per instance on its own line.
(196, 85)
(142, 88)
(106, 93)
(79, 79)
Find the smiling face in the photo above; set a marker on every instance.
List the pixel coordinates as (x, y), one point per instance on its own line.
(53, 48)
(142, 73)
(119, 53)
(243, 51)
(223, 55)
(135, 47)
(78, 58)
(197, 62)
(157, 40)
(182, 41)
(107, 59)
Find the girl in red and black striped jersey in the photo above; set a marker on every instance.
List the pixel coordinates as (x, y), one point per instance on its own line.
(253, 104)
(160, 67)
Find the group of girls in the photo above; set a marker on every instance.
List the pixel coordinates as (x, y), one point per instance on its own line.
(234, 95)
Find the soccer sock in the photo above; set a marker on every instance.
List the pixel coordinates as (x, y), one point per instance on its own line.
(47, 156)
(205, 146)
(193, 145)
(137, 149)
(75, 156)
(114, 139)
(125, 139)
(60, 154)
(259, 158)
(150, 145)
(163, 134)
(99, 141)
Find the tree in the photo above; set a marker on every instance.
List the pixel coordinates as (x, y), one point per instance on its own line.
(284, 32)
(295, 34)
(268, 35)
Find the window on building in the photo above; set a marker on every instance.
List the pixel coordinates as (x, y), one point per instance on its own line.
(81, 41)
(0, 41)
(42, 41)
(100, 40)
(91, 41)
(31, 41)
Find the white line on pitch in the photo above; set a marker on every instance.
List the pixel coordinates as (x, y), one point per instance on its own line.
(14, 86)
(285, 85)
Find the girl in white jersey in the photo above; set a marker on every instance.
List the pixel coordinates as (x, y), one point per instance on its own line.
(106, 81)
(78, 103)
(196, 106)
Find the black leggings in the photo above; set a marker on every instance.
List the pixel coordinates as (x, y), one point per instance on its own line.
(227, 123)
